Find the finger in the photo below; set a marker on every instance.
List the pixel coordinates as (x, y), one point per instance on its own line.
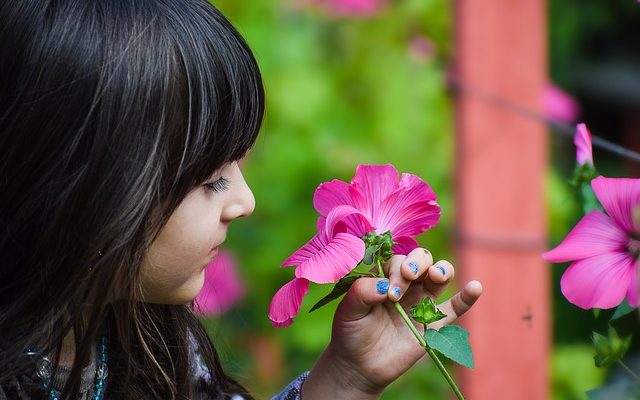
(434, 283)
(438, 277)
(362, 295)
(393, 261)
(401, 274)
(397, 284)
(416, 264)
(459, 304)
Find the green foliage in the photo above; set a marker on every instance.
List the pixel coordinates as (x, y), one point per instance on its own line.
(340, 92)
(453, 342)
(426, 311)
(623, 309)
(378, 244)
(341, 287)
(573, 372)
(609, 349)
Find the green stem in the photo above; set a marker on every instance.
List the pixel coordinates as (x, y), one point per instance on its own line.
(429, 350)
(444, 372)
(421, 339)
(629, 370)
(410, 324)
(379, 264)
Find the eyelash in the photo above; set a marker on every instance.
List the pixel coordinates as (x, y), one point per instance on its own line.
(218, 185)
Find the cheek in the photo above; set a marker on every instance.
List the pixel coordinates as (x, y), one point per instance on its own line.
(171, 283)
(173, 271)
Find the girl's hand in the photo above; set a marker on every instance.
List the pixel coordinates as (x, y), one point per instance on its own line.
(371, 345)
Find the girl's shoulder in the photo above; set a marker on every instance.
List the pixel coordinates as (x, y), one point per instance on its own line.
(20, 387)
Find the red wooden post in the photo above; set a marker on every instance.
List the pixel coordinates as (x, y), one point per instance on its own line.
(501, 162)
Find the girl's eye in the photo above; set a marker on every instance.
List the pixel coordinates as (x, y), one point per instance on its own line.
(218, 185)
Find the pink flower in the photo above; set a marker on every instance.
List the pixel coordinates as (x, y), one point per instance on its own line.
(604, 248)
(222, 287)
(377, 199)
(349, 8)
(406, 207)
(582, 140)
(559, 105)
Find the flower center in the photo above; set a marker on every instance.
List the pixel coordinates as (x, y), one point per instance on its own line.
(633, 247)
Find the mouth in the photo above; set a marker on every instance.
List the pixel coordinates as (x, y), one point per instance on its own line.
(214, 251)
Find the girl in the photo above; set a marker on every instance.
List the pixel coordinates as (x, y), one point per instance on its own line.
(121, 127)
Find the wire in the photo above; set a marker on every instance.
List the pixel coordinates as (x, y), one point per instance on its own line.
(559, 127)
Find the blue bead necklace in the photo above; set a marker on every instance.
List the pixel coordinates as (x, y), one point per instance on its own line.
(44, 371)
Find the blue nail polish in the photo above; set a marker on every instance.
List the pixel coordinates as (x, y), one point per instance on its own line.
(413, 267)
(441, 268)
(396, 291)
(382, 286)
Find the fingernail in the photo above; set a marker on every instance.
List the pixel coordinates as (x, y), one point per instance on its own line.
(382, 286)
(441, 269)
(396, 291)
(413, 267)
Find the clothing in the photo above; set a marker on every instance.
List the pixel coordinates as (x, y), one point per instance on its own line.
(293, 390)
(29, 388)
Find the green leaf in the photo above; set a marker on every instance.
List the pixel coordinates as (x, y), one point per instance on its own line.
(589, 200)
(623, 309)
(426, 311)
(369, 254)
(609, 349)
(453, 342)
(341, 287)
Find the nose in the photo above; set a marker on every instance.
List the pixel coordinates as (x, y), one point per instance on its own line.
(241, 202)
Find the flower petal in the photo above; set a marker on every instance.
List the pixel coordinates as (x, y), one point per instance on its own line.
(336, 259)
(313, 246)
(594, 234)
(582, 140)
(633, 294)
(341, 219)
(286, 302)
(619, 197)
(374, 183)
(404, 245)
(347, 219)
(410, 210)
(222, 287)
(601, 281)
(331, 194)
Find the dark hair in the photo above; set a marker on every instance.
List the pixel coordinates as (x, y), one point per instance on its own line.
(110, 113)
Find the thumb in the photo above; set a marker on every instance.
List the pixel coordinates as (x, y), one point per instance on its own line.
(363, 294)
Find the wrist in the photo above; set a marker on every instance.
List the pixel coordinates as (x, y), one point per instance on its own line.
(332, 377)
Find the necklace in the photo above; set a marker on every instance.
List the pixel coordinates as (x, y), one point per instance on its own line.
(44, 371)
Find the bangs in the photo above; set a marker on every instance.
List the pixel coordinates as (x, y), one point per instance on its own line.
(216, 95)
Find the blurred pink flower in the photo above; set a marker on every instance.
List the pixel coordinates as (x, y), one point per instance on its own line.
(377, 199)
(222, 287)
(421, 48)
(558, 105)
(604, 248)
(349, 8)
(582, 140)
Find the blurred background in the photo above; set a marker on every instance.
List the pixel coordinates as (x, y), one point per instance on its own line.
(354, 82)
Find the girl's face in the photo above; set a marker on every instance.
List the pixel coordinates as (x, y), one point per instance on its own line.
(173, 270)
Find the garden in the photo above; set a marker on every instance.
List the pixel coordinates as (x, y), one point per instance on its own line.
(503, 109)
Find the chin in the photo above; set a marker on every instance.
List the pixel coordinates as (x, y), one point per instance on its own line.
(183, 294)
